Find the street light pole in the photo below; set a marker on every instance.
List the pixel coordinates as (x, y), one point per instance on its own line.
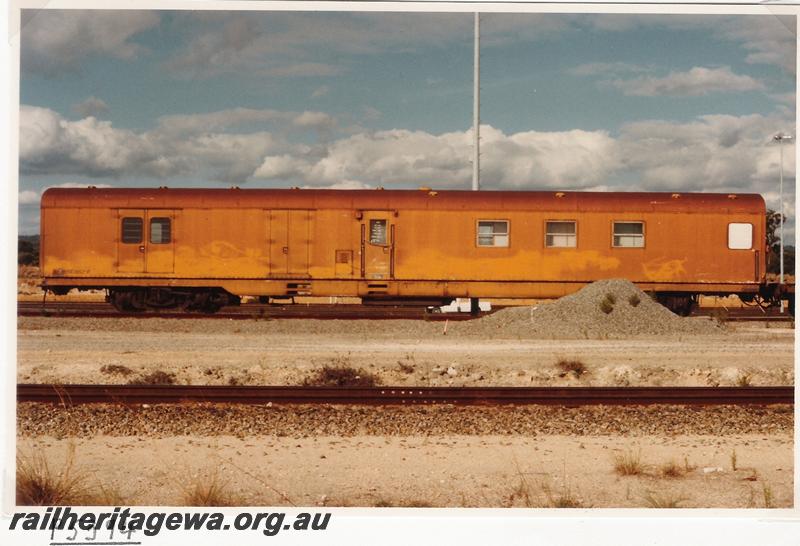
(476, 107)
(780, 137)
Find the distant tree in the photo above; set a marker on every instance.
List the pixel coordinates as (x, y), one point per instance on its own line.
(28, 251)
(774, 245)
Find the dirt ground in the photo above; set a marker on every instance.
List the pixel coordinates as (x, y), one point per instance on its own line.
(201, 351)
(443, 471)
(747, 466)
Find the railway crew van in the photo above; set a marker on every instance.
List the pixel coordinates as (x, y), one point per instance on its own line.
(200, 249)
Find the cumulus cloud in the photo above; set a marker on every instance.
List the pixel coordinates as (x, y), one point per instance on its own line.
(199, 145)
(31, 197)
(55, 42)
(92, 106)
(710, 153)
(697, 81)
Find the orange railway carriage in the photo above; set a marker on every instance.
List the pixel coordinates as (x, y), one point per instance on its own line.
(200, 249)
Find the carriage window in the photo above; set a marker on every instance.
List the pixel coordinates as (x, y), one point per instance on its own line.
(740, 236)
(160, 230)
(493, 233)
(132, 231)
(629, 234)
(377, 232)
(561, 234)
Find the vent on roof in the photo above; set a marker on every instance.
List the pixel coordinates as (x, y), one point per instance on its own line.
(560, 194)
(676, 196)
(732, 196)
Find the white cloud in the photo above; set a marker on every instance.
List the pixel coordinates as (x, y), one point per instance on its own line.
(710, 153)
(320, 91)
(92, 106)
(28, 197)
(697, 81)
(55, 42)
(31, 197)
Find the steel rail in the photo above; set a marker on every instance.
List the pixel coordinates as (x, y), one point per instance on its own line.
(333, 311)
(248, 311)
(565, 396)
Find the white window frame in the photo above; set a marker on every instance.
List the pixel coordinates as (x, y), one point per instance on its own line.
(738, 233)
(570, 237)
(499, 239)
(632, 236)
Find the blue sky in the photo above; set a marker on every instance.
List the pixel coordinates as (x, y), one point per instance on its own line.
(351, 100)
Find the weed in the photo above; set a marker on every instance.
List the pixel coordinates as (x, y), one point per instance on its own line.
(769, 499)
(154, 378)
(607, 305)
(116, 369)
(574, 367)
(629, 463)
(208, 489)
(405, 368)
(719, 314)
(634, 300)
(743, 380)
(333, 376)
(612, 299)
(733, 460)
(662, 500)
(671, 469)
(686, 466)
(39, 485)
(383, 503)
(565, 499)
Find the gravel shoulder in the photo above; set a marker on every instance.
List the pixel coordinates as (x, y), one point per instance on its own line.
(284, 352)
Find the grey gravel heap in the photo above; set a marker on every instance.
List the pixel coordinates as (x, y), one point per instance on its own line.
(613, 308)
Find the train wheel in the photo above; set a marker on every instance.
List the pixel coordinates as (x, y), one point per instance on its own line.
(127, 301)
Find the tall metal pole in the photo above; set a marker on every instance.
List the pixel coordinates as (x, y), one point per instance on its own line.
(781, 194)
(780, 137)
(476, 113)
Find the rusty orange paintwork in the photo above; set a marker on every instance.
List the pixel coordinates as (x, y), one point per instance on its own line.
(258, 242)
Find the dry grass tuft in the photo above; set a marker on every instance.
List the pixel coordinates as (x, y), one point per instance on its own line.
(769, 498)
(154, 378)
(384, 503)
(574, 367)
(671, 469)
(116, 369)
(663, 500)
(744, 380)
(607, 304)
(40, 485)
(564, 499)
(634, 300)
(629, 463)
(345, 376)
(208, 489)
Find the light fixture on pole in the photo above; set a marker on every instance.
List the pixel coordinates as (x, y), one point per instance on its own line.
(780, 137)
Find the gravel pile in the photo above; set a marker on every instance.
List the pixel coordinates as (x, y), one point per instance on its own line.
(613, 308)
(305, 421)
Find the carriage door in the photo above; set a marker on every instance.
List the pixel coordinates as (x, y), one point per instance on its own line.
(130, 240)
(290, 242)
(377, 245)
(160, 245)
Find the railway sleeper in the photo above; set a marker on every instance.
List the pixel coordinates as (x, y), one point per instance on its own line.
(198, 300)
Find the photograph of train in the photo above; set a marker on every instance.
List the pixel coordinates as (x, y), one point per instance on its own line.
(260, 263)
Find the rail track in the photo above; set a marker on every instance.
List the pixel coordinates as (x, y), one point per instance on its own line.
(344, 311)
(563, 396)
(336, 311)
